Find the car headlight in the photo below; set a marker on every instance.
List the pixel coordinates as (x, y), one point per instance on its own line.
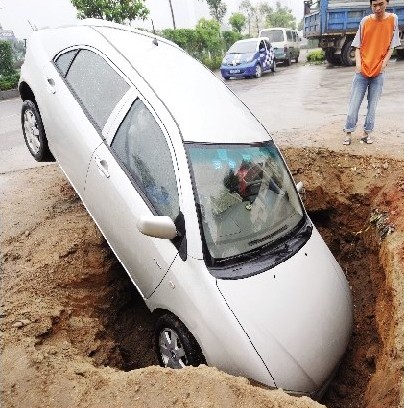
(224, 60)
(249, 58)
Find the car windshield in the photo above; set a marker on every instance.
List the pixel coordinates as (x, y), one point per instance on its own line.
(243, 47)
(245, 195)
(273, 35)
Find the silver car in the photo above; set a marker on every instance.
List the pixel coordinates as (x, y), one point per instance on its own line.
(195, 200)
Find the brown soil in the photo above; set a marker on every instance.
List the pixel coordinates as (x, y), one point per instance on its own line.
(74, 332)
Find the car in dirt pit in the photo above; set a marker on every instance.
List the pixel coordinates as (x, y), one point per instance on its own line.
(195, 200)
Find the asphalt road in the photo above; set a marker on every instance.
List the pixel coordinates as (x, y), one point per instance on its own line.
(292, 98)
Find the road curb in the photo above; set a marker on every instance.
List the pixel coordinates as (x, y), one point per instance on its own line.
(11, 93)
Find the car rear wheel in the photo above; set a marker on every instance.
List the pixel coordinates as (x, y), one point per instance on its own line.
(258, 71)
(34, 132)
(273, 67)
(175, 346)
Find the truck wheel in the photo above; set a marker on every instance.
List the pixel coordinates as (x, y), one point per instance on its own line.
(348, 54)
(288, 61)
(400, 53)
(334, 59)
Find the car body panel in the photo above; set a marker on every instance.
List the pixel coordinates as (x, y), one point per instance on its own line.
(224, 342)
(310, 289)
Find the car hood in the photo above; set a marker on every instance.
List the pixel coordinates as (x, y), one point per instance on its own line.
(298, 316)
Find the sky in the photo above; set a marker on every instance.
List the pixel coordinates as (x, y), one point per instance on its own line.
(20, 15)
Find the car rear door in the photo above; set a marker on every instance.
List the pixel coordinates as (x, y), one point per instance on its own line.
(132, 176)
(83, 89)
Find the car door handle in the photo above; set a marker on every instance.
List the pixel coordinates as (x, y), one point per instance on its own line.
(102, 166)
(50, 85)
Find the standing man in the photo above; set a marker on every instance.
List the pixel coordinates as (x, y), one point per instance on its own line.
(374, 41)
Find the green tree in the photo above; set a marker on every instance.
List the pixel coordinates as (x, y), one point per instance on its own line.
(120, 11)
(281, 17)
(217, 9)
(6, 59)
(263, 11)
(238, 22)
(249, 10)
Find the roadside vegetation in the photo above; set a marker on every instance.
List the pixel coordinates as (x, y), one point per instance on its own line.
(9, 60)
(316, 57)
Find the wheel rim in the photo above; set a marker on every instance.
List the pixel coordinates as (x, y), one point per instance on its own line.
(171, 349)
(31, 131)
(257, 71)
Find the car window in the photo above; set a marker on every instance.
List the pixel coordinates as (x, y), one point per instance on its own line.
(243, 47)
(96, 84)
(262, 45)
(64, 60)
(273, 35)
(289, 35)
(141, 146)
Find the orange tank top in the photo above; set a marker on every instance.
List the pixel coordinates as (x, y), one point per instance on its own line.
(376, 38)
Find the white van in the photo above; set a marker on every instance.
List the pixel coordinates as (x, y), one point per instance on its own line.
(285, 42)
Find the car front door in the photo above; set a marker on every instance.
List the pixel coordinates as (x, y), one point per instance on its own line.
(135, 176)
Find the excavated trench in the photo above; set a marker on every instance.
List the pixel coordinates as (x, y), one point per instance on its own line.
(343, 204)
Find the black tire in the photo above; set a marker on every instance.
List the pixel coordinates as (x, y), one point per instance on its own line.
(288, 61)
(334, 59)
(258, 71)
(273, 67)
(348, 54)
(34, 132)
(297, 59)
(175, 346)
(400, 53)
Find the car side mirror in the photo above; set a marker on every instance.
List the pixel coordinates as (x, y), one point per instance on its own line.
(262, 50)
(300, 187)
(157, 226)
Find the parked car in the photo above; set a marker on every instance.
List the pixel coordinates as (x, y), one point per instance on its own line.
(248, 58)
(195, 200)
(286, 43)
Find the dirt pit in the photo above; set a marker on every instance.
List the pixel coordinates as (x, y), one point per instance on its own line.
(74, 331)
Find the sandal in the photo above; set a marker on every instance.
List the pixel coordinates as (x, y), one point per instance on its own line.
(366, 139)
(347, 141)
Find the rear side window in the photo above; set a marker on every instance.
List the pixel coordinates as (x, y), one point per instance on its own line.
(142, 148)
(96, 84)
(64, 61)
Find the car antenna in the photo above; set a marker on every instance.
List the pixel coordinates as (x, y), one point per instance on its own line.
(154, 32)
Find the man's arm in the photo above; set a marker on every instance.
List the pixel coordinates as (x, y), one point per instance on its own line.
(358, 68)
(386, 58)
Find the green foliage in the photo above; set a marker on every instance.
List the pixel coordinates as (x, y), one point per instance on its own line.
(9, 81)
(281, 17)
(238, 22)
(205, 43)
(217, 9)
(229, 38)
(120, 11)
(316, 57)
(6, 59)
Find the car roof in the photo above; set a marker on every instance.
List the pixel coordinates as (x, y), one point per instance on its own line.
(204, 109)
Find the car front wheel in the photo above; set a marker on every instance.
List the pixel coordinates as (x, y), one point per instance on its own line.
(34, 132)
(175, 346)
(258, 71)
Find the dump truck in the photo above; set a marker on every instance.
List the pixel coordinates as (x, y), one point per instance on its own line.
(334, 24)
